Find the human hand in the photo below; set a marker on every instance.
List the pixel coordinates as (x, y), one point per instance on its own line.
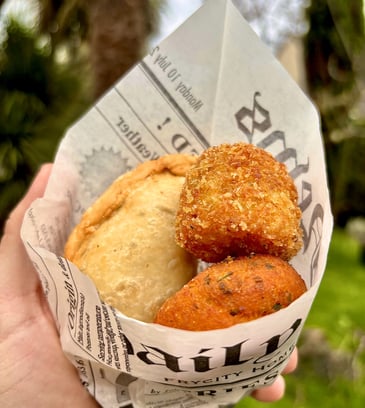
(275, 391)
(34, 370)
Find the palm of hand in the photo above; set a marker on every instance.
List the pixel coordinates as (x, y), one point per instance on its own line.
(34, 370)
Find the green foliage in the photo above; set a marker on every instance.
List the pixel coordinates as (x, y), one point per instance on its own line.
(339, 305)
(349, 187)
(331, 371)
(349, 21)
(336, 34)
(335, 49)
(39, 98)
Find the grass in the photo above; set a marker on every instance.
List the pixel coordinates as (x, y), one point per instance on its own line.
(331, 370)
(340, 305)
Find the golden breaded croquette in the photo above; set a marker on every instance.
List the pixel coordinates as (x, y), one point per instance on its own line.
(232, 291)
(237, 200)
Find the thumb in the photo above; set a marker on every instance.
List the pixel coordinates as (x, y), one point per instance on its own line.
(36, 190)
(16, 273)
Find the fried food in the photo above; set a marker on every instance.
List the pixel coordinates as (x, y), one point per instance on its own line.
(238, 199)
(125, 240)
(232, 291)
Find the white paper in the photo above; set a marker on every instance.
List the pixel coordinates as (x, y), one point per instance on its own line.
(211, 81)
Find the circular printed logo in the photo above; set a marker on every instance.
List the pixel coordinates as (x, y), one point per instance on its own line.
(101, 168)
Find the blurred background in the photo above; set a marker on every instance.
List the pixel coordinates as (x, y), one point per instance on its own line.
(57, 57)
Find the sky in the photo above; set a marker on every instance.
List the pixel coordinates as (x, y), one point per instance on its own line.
(25, 9)
(280, 19)
(175, 13)
(273, 20)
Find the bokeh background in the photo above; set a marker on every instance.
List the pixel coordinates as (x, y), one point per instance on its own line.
(57, 57)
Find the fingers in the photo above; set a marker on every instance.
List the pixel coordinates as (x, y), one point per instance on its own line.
(275, 391)
(36, 190)
(292, 363)
(272, 392)
(17, 276)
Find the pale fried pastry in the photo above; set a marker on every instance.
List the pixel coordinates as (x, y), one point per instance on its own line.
(125, 240)
(236, 200)
(232, 291)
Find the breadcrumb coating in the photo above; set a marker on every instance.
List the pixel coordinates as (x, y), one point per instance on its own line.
(237, 200)
(232, 291)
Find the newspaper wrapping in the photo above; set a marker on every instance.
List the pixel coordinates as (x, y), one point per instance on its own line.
(211, 81)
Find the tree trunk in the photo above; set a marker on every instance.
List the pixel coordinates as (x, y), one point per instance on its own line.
(118, 33)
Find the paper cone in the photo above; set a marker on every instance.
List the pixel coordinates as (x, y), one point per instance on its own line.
(211, 81)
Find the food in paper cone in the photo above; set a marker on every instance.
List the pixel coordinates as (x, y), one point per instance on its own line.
(125, 240)
(232, 291)
(139, 242)
(238, 199)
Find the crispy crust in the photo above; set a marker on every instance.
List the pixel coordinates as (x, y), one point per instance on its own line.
(233, 291)
(125, 240)
(236, 200)
(114, 197)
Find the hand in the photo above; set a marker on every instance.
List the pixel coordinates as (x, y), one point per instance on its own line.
(34, 370)
(276, 391)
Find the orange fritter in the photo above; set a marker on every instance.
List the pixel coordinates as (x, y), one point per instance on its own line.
(232, 291)
(238, 199)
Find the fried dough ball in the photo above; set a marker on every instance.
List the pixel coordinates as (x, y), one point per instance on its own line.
(238, 199)
(125, 241)
(232, 291)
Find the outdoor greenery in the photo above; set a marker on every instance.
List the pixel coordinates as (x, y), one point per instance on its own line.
(39, 98)
(331, 372)
(335, 68)
(52, 72)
